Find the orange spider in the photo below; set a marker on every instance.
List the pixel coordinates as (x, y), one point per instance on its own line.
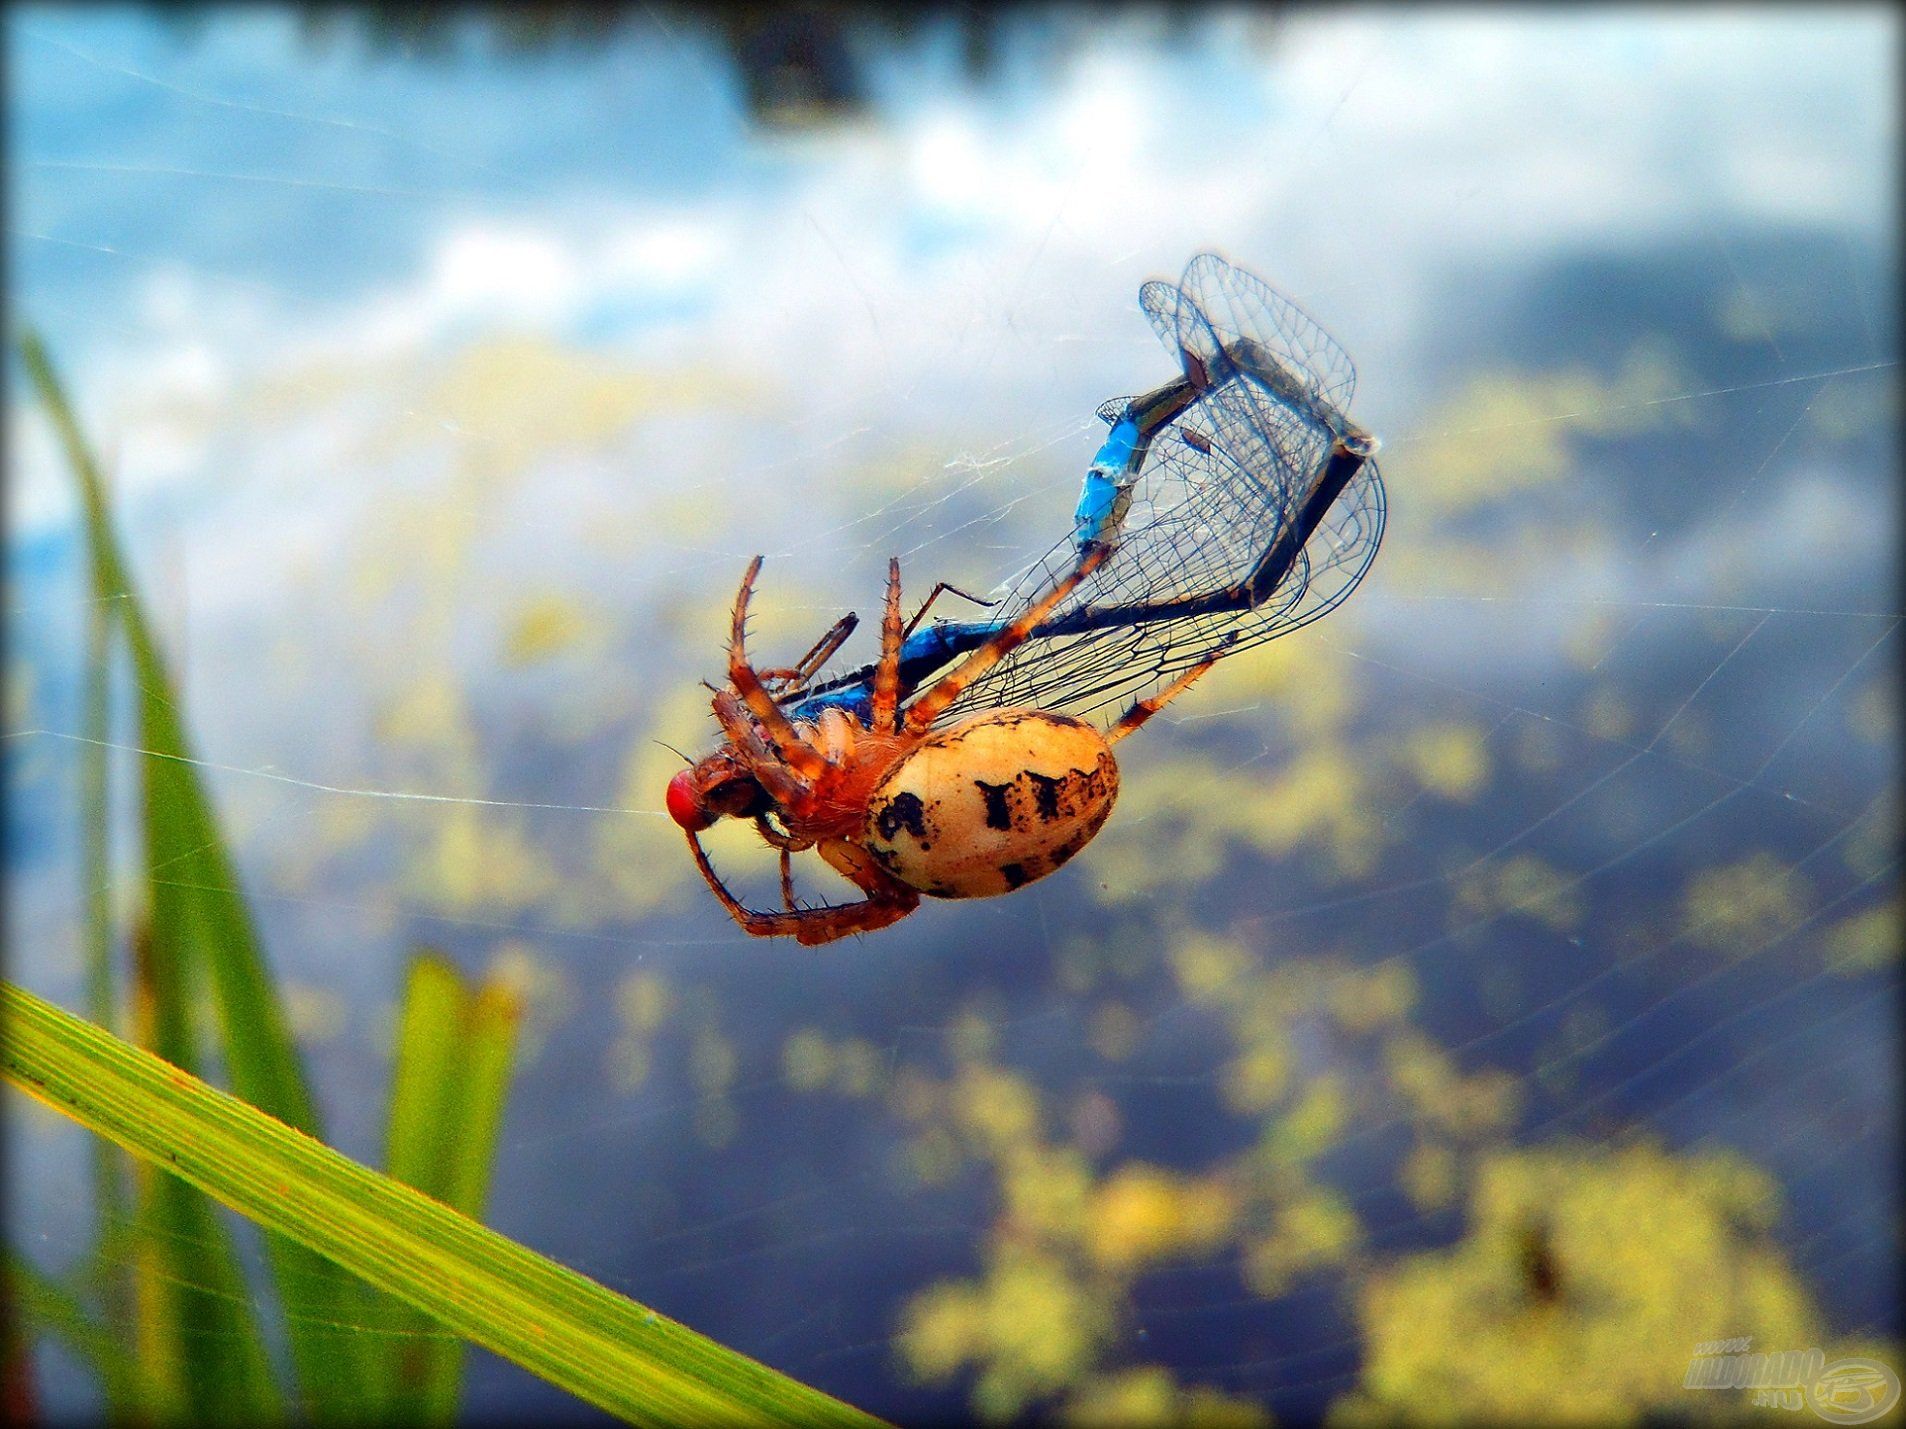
(978, 808)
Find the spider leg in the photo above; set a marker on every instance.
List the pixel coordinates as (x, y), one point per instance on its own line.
(790, 678)
(775, 838)
(939, 587)
(884, 714)
(787, 745)
(887, 902)
(788, 845)
(1144, 709)
(931, 702)
(784, 786)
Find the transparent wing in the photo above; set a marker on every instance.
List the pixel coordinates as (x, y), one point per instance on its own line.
(1214, 304)
(1222, 483)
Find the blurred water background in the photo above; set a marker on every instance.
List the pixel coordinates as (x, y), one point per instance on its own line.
(1543, 899)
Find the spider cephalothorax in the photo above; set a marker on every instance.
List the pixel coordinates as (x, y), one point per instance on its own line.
(973, 809)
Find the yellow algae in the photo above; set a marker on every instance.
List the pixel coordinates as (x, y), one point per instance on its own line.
(544, 626)
(1208, 967)
(1447, 759)
(516, 399)
(994, 1107)
(1865, 942)
(1429, 1175)
(628, 1061)
(428, 710)
(1030, 1325)
(1149, 1395)
(1256, 1079)
(1646, 1253)
(1144, 1213)
(643, 1000)
(1607, 714)
(1308, 1233)
(1309, 1126)
(859, 1067)
(1320, 801)
(1873, 714)
(477, 860)
(971, 1038)
(1506, 432)
(542, 988)
(1592, 637)
(1308, 685)
(1521, 884)
(911, 1094)
(715, 1122)
(942, 1328)
(933, 1156)
(807, 1061)
(1044, 1191)
(1739, 907)
(1362, 1001)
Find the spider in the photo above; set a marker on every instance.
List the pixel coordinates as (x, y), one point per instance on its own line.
(977, 808)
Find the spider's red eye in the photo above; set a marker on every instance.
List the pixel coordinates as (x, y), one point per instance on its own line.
(685, 804)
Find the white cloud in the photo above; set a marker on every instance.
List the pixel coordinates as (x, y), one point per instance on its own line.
(504, 275)
(1348, 162)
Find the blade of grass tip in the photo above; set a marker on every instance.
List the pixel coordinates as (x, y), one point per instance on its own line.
(423, 1074)
(420, 1129)
(495, 1016)
(265, 1066)
(491, 1016)
(208, 928)
(605, 1349)
(45, 1306)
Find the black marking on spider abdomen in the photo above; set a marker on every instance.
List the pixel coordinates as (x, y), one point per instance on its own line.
(902, 811)
(1045, 792)
(999, 811)
(1015, 874)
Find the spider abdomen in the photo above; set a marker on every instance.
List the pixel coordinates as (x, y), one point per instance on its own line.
(992, 803)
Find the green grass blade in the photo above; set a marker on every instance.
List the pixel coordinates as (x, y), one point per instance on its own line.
(201, 926)
(491, 1022)
(95, 877)
(197, 1332)
(264, 1062)
(19, 1392)
(49, 1307)
(419, 1132)
(419, 1129)
(601, 1347)
(455, 1048)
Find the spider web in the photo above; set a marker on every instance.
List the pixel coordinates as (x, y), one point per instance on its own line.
(439, 445)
